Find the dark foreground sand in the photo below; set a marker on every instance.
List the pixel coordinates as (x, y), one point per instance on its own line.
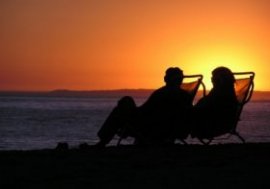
(193, 166)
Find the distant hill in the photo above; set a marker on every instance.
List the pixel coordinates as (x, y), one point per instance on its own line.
(257, 95)
(103, 93)
(74, 93)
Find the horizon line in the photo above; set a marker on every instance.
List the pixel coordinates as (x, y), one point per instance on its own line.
(93, 90)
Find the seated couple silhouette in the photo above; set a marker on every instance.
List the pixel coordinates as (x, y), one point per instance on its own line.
(168, 114)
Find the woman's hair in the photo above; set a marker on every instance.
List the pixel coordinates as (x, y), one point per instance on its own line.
(222, 77)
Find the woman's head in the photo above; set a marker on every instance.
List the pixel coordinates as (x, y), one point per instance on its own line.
(222, 77)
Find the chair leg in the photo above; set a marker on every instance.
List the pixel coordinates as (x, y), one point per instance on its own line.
(239, 136)
(121, 133)
(119, 141)
(183, 141)
(205, 142)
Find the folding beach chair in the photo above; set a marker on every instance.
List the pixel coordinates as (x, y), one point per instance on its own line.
(191, 84)
(244, 85)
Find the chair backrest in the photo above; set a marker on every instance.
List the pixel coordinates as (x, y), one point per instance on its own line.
(191, 84)
(244, 85)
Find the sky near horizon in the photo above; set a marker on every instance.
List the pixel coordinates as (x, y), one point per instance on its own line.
(116, 44)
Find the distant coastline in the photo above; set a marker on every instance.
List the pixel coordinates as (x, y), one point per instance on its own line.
(80, 93)
(257, 95)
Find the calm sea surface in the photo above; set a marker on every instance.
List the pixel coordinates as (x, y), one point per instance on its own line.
(41, 122)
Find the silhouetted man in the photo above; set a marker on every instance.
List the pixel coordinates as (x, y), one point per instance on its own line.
(161, 119)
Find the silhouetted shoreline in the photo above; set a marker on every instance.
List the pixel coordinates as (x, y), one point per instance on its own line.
(178, 166)
(257, 95)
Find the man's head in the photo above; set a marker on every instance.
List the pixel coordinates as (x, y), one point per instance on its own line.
(174, 76)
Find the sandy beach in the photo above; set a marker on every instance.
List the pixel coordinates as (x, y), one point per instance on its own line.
(178, 166)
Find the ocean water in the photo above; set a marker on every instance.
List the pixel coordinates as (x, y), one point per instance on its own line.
(41, 122)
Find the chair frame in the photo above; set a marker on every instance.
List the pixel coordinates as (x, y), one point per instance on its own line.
(246, 99)
(199, 78)
(200, 83)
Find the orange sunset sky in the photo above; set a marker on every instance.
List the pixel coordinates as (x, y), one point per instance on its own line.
(116, 44)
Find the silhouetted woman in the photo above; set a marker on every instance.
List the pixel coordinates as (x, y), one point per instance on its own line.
(215, 113)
